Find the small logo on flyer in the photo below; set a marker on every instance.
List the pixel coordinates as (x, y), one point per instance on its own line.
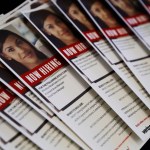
(146, 129)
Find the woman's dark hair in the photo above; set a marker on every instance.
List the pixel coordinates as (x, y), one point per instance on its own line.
(6, 75)
(65, 5)
(38, 18)
(89, 3)
(19, 68)
(134, 4)
(35, 5)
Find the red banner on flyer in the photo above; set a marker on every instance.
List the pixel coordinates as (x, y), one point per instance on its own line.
(42, 71)
(116, 32)
(74, 50)
(138, 19)
(18, 86)
(93, 35)
(5, 98)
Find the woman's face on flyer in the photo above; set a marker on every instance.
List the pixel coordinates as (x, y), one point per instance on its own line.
(53, 25)
(102, 13)
(122, 4)
(19, 50)
(75, 13)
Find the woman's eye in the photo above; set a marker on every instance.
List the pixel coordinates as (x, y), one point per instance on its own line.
(10, 50)
(50, 26)
(97, 10)
(75, 12)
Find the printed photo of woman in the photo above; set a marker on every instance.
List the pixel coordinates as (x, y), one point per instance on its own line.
(55, 29)
(18, 52)
(101, 14)
(125, 7)
(73, 10)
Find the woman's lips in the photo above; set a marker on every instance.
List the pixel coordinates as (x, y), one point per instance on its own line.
(65, 32)
(28, 55)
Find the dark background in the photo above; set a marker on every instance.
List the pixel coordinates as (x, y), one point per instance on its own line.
(8, 5)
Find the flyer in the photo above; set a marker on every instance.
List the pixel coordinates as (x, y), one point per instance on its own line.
(10, 138)
(83, 111)
(135, 18)
(19, 88)
(91, 67)
(145, 4)
(75, 14)
(26, 120)
(124, 42)
(9, 80)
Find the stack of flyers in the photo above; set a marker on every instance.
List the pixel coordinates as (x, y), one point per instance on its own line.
(90, 66)
(70, 97)
(24, 93)
(18, 88)
(126, 44)
(27, 121)
(69, 80)
(134, 17)
(10, 138)
(85, 26)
